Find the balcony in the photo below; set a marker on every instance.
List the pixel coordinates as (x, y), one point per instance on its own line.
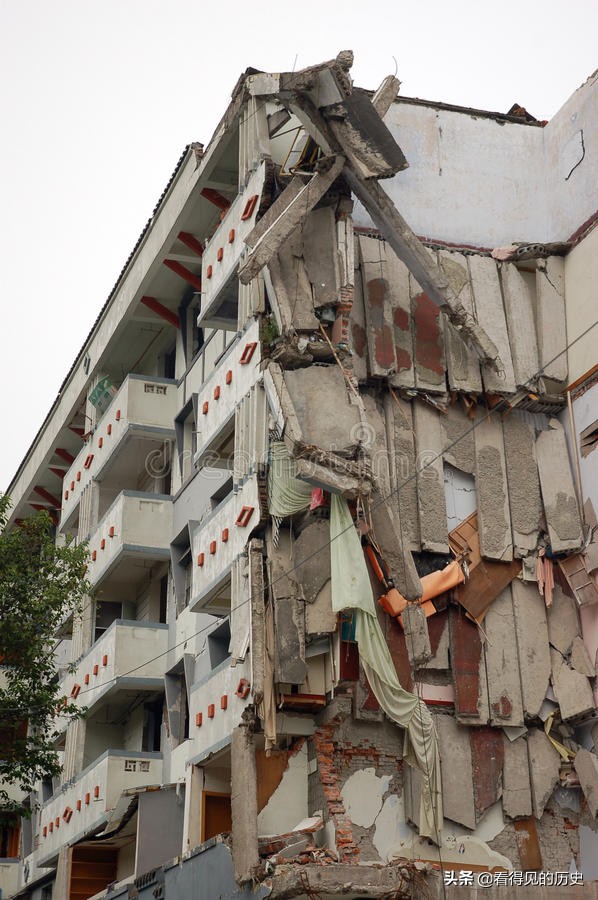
(216, 705)
(82, 806)
(134, 532)
(235, 375)
(217, 542)
(222, 255)
(138, 421)
(129, 656)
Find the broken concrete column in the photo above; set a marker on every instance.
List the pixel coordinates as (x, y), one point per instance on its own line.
(551, 319)
(502, 663)
(558, 491)
(430, 479)
(544, 764)
(524, 483)
(494, 517)
(521, 324)
(417, 638)
(463, 364)
(491, 317)
(516, 795)
(457, 776)
(258, 636)
(531, 631)
(245, 852)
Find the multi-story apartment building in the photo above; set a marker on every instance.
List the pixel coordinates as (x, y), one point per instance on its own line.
(320, 445)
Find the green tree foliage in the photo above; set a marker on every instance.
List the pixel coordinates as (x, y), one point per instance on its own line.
(40, 585)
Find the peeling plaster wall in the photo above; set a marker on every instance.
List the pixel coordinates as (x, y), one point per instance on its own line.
(581, 275)
(288, 804)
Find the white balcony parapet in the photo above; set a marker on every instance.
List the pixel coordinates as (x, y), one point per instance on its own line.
(82, 806)
(231, 380)
(137, 525)
(216, 705)
(129, 655)
(220, 539)
(142, 407)
(222, 254)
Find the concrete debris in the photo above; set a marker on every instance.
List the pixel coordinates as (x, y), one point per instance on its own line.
(521, 325)
(416, 635)
(544, 764)
(572, 690)
(491, 316)
(457, 775)
(487, 754)
(558, 491)
(563, 621)
(580, 658)
(517, 252)
(320, 618)
(430, 479)
(531, 631)
(524, 483)
(289, 622)
(323, 409)
(389, 536)
(502, 663)
(516, 797)
(586, 766)
(385, 95)
(468, 670)
(552, 321)
(311, 554)
(463, 364)
(494, 516)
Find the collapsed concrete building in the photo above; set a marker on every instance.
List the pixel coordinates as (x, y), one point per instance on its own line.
(330, 442)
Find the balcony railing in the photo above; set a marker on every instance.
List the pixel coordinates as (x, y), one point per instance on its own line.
(220, 539)
(137, 526)
(230, 381)
(144, 408)
(127, 654)
(82, 806)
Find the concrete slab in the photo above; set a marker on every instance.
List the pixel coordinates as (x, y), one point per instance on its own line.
(397, 275)
(320, 252)
(458, 441)
(320, 618)
(289, 640)
(380, 334)
(580, 658)
(311, 555)
(563, 621)
(502, 663)
(430, 479)
(494, 517)
(558, 491)
(462, 362)
(521, 326)
(544, 764)
(429, 357)
(586, 766)
(387, 528)
(357, 331)
(404, 439)
(457, 776)
(516, 796)
(551, 320)
(572, 690)
(468, 669)
(531, 632)
(416, 635)
(491, 317)
(487, 754)
(325, 414)
(524, 483)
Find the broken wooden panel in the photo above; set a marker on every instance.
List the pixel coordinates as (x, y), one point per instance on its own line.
(487, 757)
(491, 317)
(551, 319)
(406, 479)
(484, 584)
(558, 491)
(462, 362)
(516, 795)
(532, 645)
(469, 670)
(458, 444)
(428, 340)
(358, 342)
(544, 765)
(494, 518)
(524, 483)
(520, 325)
(320, 252)
(528, 845)
(457, 775)
(378, 309)
(289, 631)
(430, 479)
(397, 275)
(502, 663)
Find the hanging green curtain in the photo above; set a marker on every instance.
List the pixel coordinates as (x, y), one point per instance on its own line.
(286, 493)
(351, 589)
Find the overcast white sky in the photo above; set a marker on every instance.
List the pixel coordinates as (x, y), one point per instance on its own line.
(99, 98)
